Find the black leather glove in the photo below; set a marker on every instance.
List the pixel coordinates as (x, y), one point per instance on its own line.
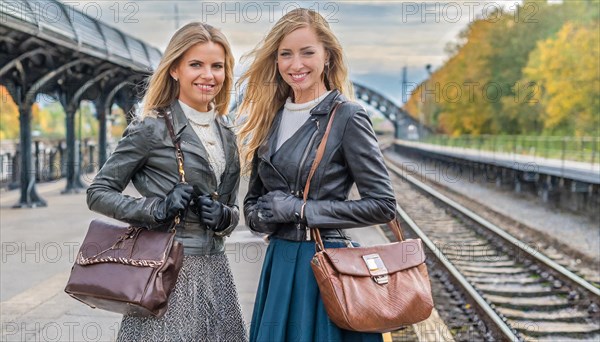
(215, 215)
(279, 207)
(177, 199)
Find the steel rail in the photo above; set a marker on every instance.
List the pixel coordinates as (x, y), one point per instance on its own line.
(537, 255)
(469, 289)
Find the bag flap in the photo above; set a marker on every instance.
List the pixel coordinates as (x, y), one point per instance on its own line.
(396, 256)
(142, 245)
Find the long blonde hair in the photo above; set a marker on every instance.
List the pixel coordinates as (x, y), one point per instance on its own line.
(162, 89)
(265, 90)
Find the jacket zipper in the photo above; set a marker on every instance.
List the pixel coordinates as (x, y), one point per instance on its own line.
(301, 167)
(273, 167)
(304, 157)
(215, 194)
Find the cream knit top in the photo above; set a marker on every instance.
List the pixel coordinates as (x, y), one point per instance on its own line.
(295, 115)
(205, 127)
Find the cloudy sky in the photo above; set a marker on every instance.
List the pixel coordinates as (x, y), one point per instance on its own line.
(379, 37)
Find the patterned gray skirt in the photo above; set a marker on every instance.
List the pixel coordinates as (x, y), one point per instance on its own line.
(203, 307)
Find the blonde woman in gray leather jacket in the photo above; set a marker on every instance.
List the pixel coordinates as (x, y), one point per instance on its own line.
(191, 87)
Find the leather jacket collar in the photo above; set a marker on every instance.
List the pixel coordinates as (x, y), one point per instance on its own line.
(352, 157)
(325, 106)
(267, 148)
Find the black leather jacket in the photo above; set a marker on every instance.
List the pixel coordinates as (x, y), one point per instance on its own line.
(146, 156)
(352, 155)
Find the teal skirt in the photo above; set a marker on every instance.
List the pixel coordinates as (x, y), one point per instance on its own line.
(288, 304)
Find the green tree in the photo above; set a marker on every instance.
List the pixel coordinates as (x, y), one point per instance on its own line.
(49, 120)
(456, 96)
(516, 36)
(566, 71)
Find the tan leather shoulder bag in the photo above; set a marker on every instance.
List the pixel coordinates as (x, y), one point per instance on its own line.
(371, 289)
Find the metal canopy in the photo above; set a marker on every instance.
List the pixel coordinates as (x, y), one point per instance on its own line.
(48, 47)
(55, 22)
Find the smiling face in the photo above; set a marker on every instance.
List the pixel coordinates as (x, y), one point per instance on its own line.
(200, 74)
(301, 60)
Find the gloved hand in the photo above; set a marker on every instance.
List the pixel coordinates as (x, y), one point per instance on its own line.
(279, 207)
(177, 199)
(213, 214)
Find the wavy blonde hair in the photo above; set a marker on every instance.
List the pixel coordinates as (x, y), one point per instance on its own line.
(162, 89)
(265, 90)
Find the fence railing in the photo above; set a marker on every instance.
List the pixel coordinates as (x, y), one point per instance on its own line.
(578, 149)
(49, 160)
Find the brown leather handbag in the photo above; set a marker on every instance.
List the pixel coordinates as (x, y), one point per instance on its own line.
(128, 270)
(371, 289)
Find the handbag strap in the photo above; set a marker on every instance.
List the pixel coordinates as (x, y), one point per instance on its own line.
(320, 152)
(394, 225)
(179, 156)
(178, 152)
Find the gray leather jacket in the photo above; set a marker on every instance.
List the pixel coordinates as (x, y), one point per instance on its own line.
(352, 155)
(146, 156)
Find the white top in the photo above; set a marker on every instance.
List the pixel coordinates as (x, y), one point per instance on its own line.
(295, 115)
(205, 126)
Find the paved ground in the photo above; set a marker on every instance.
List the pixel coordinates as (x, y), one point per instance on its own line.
(38, 249)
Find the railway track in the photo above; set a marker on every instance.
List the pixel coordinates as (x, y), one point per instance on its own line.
(503, 286)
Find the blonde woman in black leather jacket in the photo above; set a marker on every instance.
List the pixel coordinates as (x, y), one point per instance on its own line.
(191, 87)
(297, 76)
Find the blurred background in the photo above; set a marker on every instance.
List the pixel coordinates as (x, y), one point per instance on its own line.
(525, 70)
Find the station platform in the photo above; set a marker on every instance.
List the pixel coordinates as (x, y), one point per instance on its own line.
(577, 171)
(38, 249)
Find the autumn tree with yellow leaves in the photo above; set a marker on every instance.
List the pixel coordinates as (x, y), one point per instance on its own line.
(564, 70)
(9, 116)
(49, 120)
(534, 71)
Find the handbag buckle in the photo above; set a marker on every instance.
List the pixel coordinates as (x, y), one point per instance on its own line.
(376, 268)
(381, 279)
